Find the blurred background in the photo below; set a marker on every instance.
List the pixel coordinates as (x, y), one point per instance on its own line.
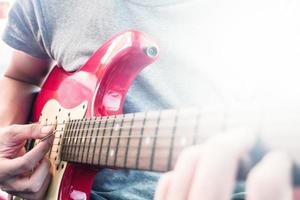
(4, 50)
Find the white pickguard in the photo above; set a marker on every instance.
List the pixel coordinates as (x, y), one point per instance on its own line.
(54, 113)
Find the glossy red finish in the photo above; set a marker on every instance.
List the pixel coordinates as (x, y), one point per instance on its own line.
(103, 82)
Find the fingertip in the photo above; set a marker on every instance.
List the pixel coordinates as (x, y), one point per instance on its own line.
(47, 129)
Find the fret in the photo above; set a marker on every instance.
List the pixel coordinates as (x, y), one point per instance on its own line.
(134, 141)
(102, 142)
(74, 139)
(79, 140)
(128, 140)
(154, 142)
(95, 158)
(110, 152)
(183, 135)
(66, 141)
(162, 144)
(84, 139)
(140, 141)
(172, 142)
(96, 139)
(92, 140)
(147, 138)
(118, 140)
(71, 140)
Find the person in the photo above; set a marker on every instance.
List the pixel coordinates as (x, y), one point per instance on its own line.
(212, 53)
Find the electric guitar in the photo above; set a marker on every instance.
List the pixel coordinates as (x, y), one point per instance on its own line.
(91, 131)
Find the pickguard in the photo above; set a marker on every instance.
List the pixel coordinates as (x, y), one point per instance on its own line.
(54, 113)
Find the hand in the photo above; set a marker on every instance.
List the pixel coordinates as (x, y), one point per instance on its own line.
(24, 174)
(208, 172)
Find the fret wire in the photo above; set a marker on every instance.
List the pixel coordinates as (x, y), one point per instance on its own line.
(97, 134)
(91, 133)
(77, 140)
(118, 141)
(84, 146)
(154, 141)
(100, 151)
(109, 141)
(75, 134)
(140, 141)
(128, 140)
(63, 148)
(172, 142)
(70, 126)
(71, 140)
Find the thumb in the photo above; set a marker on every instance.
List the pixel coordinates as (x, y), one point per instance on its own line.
(19, 133)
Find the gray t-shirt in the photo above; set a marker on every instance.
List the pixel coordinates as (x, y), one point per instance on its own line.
(70, 31)
(211, 51)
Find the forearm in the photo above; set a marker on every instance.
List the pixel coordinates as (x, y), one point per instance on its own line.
(16, 99)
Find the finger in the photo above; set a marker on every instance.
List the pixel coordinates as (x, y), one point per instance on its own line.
(31, 184)
(28, 161)
(183, 173)
(215, 174)
(163, 186)
(271, 179)
(20, 133)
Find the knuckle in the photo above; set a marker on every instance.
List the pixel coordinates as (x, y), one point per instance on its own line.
(34, 187)
(27, 165)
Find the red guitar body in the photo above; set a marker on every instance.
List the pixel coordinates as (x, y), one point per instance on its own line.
(103, 83)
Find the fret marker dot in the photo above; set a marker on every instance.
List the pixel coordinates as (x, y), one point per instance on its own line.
(83, 139)
(112, 153)
(117, 127)
(183, 141)
(75, 140)
(147, 140)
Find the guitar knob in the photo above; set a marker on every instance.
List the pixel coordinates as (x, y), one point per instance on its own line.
(78, 195)
(151, 51)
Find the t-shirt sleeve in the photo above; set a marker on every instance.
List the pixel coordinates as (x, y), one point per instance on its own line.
(24, 29)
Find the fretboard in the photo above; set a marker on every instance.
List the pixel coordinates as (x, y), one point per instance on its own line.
(149, 141)
(153, 140)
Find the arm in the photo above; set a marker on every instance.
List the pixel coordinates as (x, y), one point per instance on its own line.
(20, 81)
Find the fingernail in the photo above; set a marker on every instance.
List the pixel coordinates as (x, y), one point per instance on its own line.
(47, 129)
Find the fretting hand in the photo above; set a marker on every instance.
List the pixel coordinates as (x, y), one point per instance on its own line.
(208, 172)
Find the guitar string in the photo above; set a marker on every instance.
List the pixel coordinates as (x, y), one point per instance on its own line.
(178, 146)
(118, 127)
(111, 128)
(132, 136)
(129, 116)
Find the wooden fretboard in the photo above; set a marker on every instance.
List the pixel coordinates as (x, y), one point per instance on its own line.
(153, 140)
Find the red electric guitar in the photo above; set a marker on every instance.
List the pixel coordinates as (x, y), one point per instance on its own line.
(91, 131)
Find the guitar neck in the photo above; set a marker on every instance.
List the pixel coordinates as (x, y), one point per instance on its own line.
(153, 140)
(149, 141)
